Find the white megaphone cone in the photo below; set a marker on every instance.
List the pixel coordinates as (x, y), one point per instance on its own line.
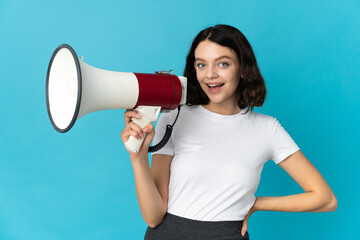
(74, 89)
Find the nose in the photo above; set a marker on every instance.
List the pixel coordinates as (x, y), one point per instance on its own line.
(211, 72)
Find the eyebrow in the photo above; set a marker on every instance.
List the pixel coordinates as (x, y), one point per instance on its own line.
(200, 59)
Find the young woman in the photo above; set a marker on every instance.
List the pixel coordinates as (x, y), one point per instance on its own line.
(202, 184)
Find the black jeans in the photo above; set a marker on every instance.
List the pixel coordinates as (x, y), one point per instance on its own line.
(179, 228)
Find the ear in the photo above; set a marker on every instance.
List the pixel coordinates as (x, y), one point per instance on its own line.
(241, 73)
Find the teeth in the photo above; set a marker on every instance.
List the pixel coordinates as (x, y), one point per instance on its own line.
(215, 85)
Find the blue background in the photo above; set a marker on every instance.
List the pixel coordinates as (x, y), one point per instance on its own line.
(80, 185)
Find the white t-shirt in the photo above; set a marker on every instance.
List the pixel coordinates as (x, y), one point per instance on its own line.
(218, 160)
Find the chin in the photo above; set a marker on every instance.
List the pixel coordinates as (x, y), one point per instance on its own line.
(216, 100)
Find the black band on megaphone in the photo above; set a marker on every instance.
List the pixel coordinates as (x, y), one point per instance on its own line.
(173, 94)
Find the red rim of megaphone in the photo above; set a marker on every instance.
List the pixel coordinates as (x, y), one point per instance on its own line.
(78, 101)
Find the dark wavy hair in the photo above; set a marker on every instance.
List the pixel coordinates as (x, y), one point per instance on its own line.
(251, 91)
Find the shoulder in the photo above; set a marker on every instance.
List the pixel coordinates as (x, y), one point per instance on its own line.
(263, 121)
(261, 118)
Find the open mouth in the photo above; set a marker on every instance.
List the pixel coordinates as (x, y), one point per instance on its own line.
(215, 85)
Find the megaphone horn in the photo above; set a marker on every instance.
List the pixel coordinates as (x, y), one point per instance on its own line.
(74, 89)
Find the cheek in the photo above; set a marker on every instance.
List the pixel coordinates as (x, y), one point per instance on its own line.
(200, 78)
(235, 85)
(237, 81)
(234, 78)
(198, 75)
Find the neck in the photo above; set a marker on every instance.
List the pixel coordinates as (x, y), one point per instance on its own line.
(223, 109)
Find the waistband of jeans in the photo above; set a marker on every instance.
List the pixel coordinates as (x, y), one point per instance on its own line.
(182, 220)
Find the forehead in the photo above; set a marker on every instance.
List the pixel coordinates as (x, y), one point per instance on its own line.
(208, 50)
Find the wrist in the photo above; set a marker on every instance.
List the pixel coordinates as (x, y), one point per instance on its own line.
(139, 160)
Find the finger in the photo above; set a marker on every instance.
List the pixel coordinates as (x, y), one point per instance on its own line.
(149, 129)
(130, 114)
(244, 227)
(133, 126)
(125, 135)
(150, 132)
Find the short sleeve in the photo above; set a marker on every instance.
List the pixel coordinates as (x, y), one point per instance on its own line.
(160, 130)
(283, 145)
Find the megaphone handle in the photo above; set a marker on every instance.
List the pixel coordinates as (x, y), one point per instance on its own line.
(147, 114)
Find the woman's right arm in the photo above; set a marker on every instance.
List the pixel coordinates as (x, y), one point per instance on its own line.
(151, 184)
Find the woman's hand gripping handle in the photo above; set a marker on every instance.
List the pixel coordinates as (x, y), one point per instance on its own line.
(134, 133)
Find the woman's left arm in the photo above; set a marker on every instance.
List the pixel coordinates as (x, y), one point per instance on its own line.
(318, 196)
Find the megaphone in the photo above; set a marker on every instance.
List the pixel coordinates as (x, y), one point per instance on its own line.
(74, 89)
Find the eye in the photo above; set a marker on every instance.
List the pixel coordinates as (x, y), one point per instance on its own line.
(223, 64)
(200, 65)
